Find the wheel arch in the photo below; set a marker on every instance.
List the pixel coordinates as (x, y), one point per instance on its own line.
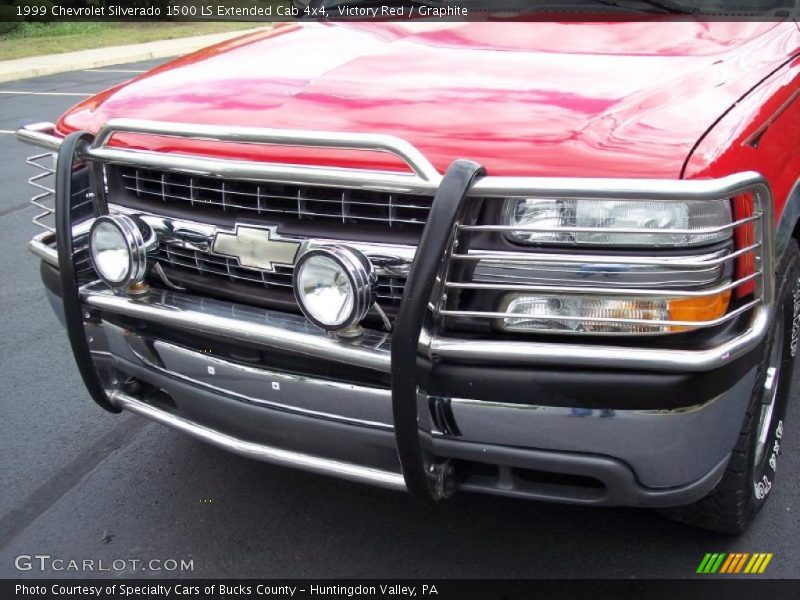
(789, 222)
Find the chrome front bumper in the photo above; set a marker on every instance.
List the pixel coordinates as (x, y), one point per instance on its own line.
(641, 457)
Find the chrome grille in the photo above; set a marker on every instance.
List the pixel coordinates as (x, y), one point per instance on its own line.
(301, 202)
(390, 289)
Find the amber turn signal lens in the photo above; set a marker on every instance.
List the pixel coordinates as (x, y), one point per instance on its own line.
(701, 308)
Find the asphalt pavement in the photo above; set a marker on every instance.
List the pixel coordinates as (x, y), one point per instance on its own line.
(77, 483)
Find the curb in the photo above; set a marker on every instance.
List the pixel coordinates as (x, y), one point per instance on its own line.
(38, 66)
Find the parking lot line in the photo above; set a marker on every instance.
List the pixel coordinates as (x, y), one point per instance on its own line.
(24, 93)
(6, 131)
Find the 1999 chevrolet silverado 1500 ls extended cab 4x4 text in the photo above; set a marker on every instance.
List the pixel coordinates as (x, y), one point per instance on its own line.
(554, 261)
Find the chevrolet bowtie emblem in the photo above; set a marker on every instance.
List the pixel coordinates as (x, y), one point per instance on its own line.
(256, 247)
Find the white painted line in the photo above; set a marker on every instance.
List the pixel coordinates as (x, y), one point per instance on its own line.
(24, 93)
(7, 131)
(111, 71)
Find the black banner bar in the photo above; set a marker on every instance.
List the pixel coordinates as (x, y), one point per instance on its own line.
(397, 10)
(730, 588)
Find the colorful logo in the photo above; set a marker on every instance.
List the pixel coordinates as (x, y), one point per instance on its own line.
(737, 562)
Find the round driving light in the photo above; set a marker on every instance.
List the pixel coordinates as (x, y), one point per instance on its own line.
(334, 286)
(117, 250)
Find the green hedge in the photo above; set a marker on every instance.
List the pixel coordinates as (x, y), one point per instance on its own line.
(9, 22)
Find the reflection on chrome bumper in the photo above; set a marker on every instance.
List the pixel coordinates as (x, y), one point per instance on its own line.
(270, 329)
(260, 451)
(368, 455)
(662, 449)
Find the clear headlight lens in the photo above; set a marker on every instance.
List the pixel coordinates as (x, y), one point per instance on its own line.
(325, 291)
(599, 314)
(539, 216)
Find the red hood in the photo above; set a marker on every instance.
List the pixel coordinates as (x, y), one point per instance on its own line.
(585, 99)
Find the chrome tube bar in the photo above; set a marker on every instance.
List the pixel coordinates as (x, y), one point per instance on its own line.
(594, 355)
(271, 329)
(46, 192)
(624, 291)
(253, 171)
(43, 246)
(41, 135)
(569, 188)
(424, 178)
(528, 257)
(278, 456)
(591, 188)
(398, 147)
(654, 322)
(621, 230)
(281, 331)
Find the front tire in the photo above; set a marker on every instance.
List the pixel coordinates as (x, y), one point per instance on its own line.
(750, 476)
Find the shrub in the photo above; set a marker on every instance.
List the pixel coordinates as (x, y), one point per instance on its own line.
(9, 22)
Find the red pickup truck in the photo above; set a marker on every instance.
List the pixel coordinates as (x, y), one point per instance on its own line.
(554, 261)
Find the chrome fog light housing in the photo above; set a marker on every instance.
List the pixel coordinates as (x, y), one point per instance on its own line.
(334, 286)
(117, 250)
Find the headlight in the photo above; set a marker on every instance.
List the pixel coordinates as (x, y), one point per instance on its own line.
(334, 286)
(546, 221)
(604, 314)
(117, 250)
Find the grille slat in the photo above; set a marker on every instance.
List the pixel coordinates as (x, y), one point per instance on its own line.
(304, 213)
(300, 202)
(192, 196)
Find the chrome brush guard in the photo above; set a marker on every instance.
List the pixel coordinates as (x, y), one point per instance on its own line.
(423, 299)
